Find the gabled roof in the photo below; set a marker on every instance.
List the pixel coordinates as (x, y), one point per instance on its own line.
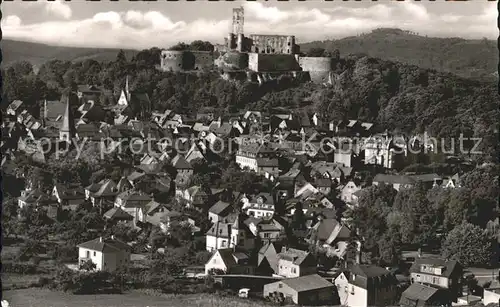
(307, 283)
(105, 245)
(227, 256)
(297, 256)
(117, 213)
(220, 230)
(419, 293)
(179, 162)
(220, 208)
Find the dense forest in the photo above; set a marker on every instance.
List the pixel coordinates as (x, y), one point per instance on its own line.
(467, 58)
(395, 96)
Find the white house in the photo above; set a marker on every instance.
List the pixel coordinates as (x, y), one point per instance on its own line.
(107, 254)
(366, 285)
(228, 261)
(261, 206)
(347, 193)
(227, 234)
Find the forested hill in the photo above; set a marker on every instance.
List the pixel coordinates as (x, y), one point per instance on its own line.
(466, 58)
(393, 95)
(37, 54)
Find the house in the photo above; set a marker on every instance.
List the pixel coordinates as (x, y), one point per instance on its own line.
(197, 196)
(229, 233)
(219, 211)
(15, 107)
(69, 197)
(33, 198)
(249, 155)
(366, 285)
(332, 235)
(117, 215)
(131, 201)
(304, 290)
(152, 213)
(422, 295)
(269, 252)
(269, 230)
(384, 150)
(288, 183)
(107, 254)
(491, 296)
(172, 218)
(438, 273)
(295, 262)
(260, 206)
(407, 181)
(347, 194)
(268, 167)
(230, 262)
(452, 182)
(184, 170)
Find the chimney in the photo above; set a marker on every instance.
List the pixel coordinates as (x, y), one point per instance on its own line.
(112, 237)
(100, 239)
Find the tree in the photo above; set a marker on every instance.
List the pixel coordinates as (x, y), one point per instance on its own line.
(87, 265)
(298, 219)
(316, 52)
(121, 58)
(469, 245)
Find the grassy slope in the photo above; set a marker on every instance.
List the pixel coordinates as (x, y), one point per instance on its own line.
(43, 297)
(37, 54)
(467, 58)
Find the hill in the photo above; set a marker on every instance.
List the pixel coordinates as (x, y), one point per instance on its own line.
(466, 58)
(37, 54)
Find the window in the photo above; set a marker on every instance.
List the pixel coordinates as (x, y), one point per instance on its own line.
(352, 290)
(294, 270)
(214, 261)
(280, 285)
(94, 253)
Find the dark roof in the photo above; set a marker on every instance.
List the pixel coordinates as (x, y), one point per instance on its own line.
(418, 293)
(372, 276)
(266, 162)
(105, 245)
(220, 230)
(220, 207)
(308, 283)
(179, 162)
(393, 179)
(227, 256)
(117, 213)
(297, 256)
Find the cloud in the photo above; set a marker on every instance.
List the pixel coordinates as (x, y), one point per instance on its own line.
(144, 29)
(58, 8)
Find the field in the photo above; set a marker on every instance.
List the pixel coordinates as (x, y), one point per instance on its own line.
(42, 297)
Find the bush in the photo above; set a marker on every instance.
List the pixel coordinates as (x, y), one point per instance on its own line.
(19, 268)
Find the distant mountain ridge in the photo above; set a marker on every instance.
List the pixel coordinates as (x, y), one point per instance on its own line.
(466, 58)
(38, 53)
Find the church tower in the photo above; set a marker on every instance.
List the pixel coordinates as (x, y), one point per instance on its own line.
(67, 130)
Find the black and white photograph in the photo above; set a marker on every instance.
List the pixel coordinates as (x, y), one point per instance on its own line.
(250, 153)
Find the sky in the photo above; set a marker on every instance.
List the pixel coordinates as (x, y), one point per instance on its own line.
(140, 25)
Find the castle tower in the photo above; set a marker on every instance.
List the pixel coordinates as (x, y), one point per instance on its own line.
(238, 20)
(67, 130)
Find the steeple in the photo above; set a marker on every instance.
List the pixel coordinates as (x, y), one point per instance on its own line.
(67, 130)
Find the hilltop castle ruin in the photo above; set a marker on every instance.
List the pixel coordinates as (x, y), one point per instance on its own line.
(254, 57)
